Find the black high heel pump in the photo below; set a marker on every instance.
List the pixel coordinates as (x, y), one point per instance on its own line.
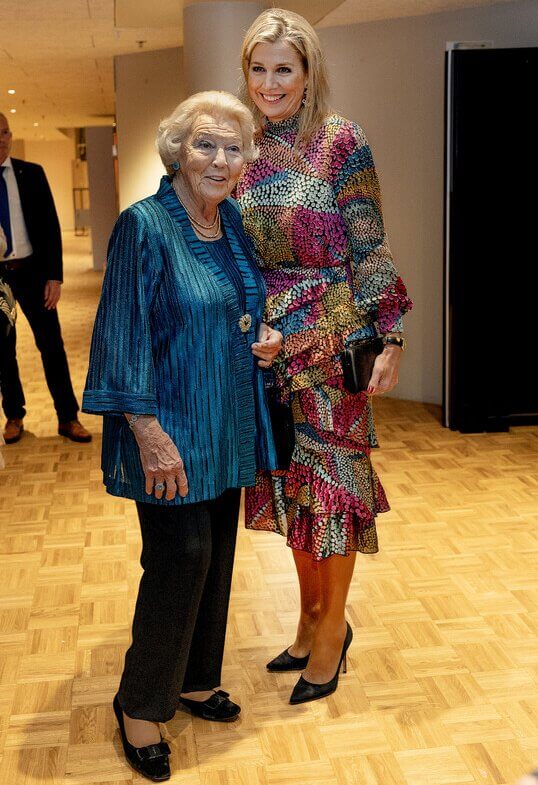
(305, 691)
(151, 761)
(287, 662)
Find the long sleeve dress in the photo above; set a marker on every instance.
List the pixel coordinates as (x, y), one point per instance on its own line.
(315, 220)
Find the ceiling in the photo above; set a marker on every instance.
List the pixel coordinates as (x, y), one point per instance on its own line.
(353, 11)
(58, 54)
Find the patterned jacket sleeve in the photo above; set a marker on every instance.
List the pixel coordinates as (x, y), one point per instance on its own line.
(379, 291)
(120, 375)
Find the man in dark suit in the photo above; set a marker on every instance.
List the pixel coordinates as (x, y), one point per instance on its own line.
(32, 266)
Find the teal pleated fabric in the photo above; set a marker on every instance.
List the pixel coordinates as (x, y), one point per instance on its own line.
(167, 342)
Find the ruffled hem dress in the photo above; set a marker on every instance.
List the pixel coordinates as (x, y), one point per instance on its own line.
(313, 214)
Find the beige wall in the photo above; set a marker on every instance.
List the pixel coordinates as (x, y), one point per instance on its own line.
(148, 86)
(102, 185)
(17, 149)
(216, 67)
(389, 77)
(56, 159)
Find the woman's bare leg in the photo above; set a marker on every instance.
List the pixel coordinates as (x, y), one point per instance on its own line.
(334, 576)
(310, 603)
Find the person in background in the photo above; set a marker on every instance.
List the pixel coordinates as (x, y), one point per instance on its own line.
(7, 315)
(311, 204)
(32, 266)
(173, 369)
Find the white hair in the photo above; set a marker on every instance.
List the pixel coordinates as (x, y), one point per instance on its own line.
(173, 130)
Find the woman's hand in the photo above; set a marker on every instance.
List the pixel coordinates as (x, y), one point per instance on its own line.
(385, 374)
(160, 459)
(268, 345)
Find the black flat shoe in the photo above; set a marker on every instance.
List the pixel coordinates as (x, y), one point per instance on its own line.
(305, 691)
(151, 761)
(287, 662)
(217, 708)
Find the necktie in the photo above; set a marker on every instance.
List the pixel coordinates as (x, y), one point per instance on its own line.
(5, 221)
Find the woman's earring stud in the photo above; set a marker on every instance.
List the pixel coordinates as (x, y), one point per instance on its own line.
(175, 166)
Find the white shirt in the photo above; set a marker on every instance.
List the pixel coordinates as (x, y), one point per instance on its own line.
(22, 246)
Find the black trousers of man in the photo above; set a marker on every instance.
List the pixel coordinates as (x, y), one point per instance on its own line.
(29, 291)
(180, 618)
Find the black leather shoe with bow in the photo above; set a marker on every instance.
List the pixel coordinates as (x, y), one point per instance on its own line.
(305, 691)
(217, 708)
(151, 761)
(287, 662)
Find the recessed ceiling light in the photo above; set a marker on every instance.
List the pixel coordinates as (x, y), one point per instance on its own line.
(35, 125)
(11, 92)
(12, 111)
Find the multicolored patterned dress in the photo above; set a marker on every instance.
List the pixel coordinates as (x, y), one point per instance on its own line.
(315, 220)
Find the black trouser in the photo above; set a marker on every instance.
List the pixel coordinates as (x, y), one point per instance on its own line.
(180, 617)
(29, 290)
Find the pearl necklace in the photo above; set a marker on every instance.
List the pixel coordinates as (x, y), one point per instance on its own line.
(198, 226)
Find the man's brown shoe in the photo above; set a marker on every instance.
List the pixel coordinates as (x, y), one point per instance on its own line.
(13, 431)
(74, 431)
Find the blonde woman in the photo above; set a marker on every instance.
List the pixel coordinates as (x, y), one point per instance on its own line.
(311, 204)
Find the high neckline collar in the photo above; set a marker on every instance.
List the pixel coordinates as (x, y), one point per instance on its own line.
(289, 125)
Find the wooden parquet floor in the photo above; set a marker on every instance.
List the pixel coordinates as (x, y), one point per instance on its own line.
(442, 686)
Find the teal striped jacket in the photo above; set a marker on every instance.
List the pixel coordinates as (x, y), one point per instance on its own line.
(167, 342)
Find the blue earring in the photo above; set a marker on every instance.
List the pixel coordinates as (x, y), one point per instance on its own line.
(175, 166)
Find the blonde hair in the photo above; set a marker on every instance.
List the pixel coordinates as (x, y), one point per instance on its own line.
(274, 25)
(173, 130)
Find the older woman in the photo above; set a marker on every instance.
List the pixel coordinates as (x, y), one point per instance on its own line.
(311, 204)
(185, 417)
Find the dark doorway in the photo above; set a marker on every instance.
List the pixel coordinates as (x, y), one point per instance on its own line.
(491, 239)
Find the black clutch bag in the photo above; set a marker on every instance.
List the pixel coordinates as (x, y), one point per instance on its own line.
(358, 360)
(281, 421)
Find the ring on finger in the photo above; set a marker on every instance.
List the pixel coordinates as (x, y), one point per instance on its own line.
(159, 486)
